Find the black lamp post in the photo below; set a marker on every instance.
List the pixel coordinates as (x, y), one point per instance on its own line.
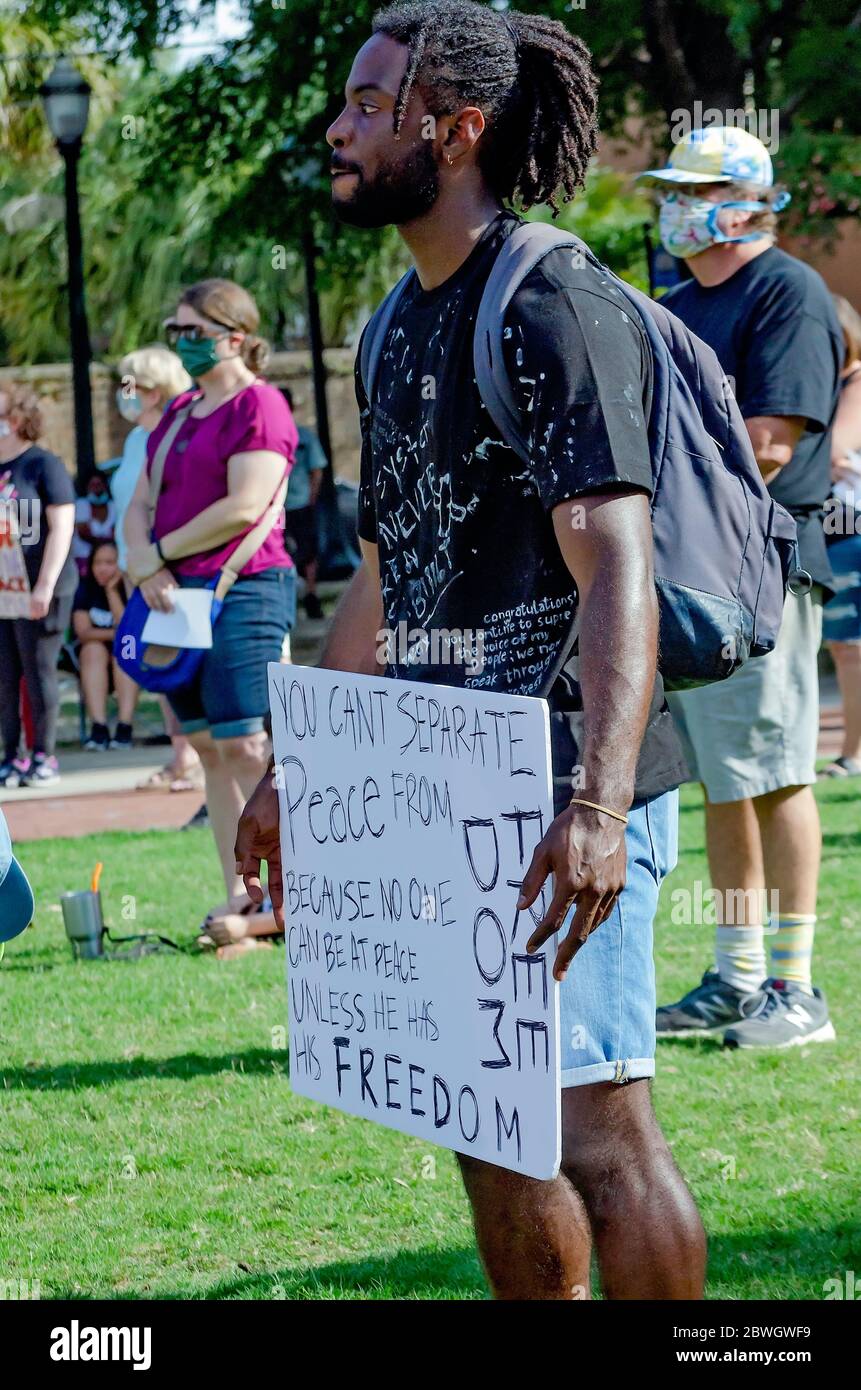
(307, 177)
(336, 559)
(66, 96)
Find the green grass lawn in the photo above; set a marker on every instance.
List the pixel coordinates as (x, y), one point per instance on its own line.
(151, 1146)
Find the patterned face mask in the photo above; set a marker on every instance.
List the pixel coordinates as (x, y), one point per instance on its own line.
(689, 225)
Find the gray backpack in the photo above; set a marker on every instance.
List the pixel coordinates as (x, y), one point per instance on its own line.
(725, 551)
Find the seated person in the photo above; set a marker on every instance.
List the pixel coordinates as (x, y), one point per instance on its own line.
(95, 518)
(98, 608)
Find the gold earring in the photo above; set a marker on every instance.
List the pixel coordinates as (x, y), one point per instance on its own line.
(448, 157)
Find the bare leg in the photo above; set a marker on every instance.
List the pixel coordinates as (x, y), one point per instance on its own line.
(232, 768)
(847, 663)
(533, 1237)
(185, 757)
(791, 844)
(95, 664)
(245, 759)
(127, 692)
(648, 1236)
(184, 754)
(736, 862)
(224, 800)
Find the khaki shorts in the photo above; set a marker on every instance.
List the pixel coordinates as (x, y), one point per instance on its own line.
(758, 731)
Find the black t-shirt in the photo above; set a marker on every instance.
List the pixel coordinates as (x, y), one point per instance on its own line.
(464, 529)
(775, 332)
(91, 598)
(38, 480)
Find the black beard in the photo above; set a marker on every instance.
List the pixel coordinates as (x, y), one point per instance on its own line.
(400, 192)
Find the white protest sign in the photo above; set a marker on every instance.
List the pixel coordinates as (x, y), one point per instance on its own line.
(409, 814)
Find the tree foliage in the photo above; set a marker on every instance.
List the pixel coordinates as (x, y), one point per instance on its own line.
(227, 164)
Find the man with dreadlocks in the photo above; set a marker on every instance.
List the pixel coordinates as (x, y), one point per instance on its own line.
(453, 113)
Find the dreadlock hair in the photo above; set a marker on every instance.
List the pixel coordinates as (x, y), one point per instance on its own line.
(531, 78)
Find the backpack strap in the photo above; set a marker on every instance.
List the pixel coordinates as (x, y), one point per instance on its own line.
(520, 253)
(374, 336)
(251, 543)
(159, 458)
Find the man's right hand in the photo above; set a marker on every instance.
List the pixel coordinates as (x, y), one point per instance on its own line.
(258, 838)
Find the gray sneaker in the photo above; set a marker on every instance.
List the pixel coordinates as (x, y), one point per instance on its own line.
(782, 1015)
(704, 1010)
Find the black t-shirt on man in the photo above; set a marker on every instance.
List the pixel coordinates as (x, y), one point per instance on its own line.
(33, 481)
(464, 530)
(775, 332)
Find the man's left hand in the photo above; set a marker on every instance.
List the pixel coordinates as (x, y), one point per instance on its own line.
(585, 852)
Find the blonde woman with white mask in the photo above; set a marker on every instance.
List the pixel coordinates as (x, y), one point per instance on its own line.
(150, 378)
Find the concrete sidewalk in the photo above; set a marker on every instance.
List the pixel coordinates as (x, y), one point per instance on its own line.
(96, 791)
(82, 773)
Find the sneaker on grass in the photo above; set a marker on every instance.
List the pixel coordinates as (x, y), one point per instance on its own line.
(782, 1015)
(702, 1011)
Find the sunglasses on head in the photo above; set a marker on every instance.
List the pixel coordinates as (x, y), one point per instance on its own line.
(194, 332)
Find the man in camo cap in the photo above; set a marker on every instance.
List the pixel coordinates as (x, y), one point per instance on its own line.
(751, 740)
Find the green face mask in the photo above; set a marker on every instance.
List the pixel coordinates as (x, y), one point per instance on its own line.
(199, 357)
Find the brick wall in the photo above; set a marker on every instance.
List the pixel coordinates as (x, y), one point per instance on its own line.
(53, 383)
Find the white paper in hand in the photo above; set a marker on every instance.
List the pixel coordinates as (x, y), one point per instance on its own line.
(189, 625)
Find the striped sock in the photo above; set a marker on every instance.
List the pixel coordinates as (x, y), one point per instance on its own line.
(792, 948)
(740, 957)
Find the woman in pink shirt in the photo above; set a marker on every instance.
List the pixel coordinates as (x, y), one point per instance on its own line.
(221, 473)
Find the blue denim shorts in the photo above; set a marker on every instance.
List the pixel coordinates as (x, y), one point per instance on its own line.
(841, 616)
(230, 692)
(607, 999)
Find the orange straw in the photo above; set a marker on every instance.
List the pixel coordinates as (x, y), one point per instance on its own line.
(97, 873)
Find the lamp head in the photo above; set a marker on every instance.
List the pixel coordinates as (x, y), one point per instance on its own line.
(66, 95)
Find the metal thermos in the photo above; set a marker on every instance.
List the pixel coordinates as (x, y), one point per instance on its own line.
(85, 928)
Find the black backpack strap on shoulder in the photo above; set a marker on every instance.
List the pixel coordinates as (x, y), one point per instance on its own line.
(374, 336)
(520, 253)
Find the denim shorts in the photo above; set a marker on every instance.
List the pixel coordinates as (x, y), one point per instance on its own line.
(607, 999)
(230, 692)
(841, 616)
